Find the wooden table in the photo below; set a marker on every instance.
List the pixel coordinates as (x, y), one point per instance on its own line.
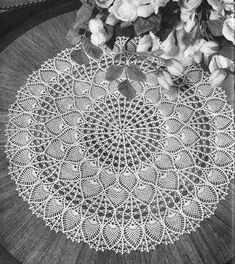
(27, 238)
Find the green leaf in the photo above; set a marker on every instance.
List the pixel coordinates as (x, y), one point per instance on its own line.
(228, 52)
(135, 73)
(113, 72)
(93, 51)
(80, 57)
(83, 15)
(215, 27)
(73, 37)
(126, 89)
(143, 25)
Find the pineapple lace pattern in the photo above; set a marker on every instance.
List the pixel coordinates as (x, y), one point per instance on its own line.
(115, 173)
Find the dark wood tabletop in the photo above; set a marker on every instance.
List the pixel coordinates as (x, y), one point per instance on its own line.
(28, 239)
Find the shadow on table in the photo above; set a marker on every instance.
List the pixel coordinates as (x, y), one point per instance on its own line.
(17, 20)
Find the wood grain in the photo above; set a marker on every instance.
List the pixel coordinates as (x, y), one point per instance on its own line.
(28, 239)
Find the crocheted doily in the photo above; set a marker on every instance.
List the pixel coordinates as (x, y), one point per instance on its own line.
(116, 173)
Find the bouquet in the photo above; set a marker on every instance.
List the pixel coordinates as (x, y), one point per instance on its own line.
(181, 32)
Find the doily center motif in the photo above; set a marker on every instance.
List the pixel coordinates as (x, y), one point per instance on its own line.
(120, 174)
(121, 132)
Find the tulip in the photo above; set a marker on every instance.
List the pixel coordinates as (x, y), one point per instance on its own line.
(144, 44)
(217, 77)
(96, 25)
(164, 79)
(99, 38)
(174, 67)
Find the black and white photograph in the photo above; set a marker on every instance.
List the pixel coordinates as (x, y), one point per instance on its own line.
(117, 131)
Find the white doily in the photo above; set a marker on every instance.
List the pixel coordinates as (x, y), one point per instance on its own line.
(115, 173)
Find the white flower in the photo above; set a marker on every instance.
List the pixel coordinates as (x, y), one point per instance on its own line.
(220, 62)
(185, 14)
(201, 46)
(129, 10)
(217, 5)
(174, 67)
(104, 3)
(190, 23)
(164, 79)
(111, 20)
(144, 10)
(96, 25)
(229, 29)
(144, 44)
(190, 4)
(99, 38)
(217, 77)
(158, 3)
(169, 46)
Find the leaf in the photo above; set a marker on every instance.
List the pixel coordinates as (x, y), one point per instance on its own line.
(73, 37)
(151, 23)
(113, 72)
(227, 51)
(93, 51)
(111, 36)
(80, 57)
(215, 27)
(83, 14)
(126, 89)
(135, 73)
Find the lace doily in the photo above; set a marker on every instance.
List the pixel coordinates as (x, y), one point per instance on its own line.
(115, 173)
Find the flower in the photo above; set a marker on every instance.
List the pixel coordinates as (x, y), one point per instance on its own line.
(199, 48)
(144, 44)
(111, 20)
(104, 3)
(129, 10)
(99, 38)
(174, 67)
(217, 77)
(220, 62)
(229, 29)
(190, 23)
(169, 47)
(190, 4)
(158, 3)
(164, 79)
(96, 25)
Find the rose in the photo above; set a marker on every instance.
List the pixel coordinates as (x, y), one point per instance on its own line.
(129, 10)
(95, 25)
(229, 29)
(99, 38)
(124, 10)
(104, 3)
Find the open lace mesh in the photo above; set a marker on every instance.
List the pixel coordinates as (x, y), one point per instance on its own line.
(115, 173)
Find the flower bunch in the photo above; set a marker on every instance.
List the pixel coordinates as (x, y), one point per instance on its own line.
(181, 32)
